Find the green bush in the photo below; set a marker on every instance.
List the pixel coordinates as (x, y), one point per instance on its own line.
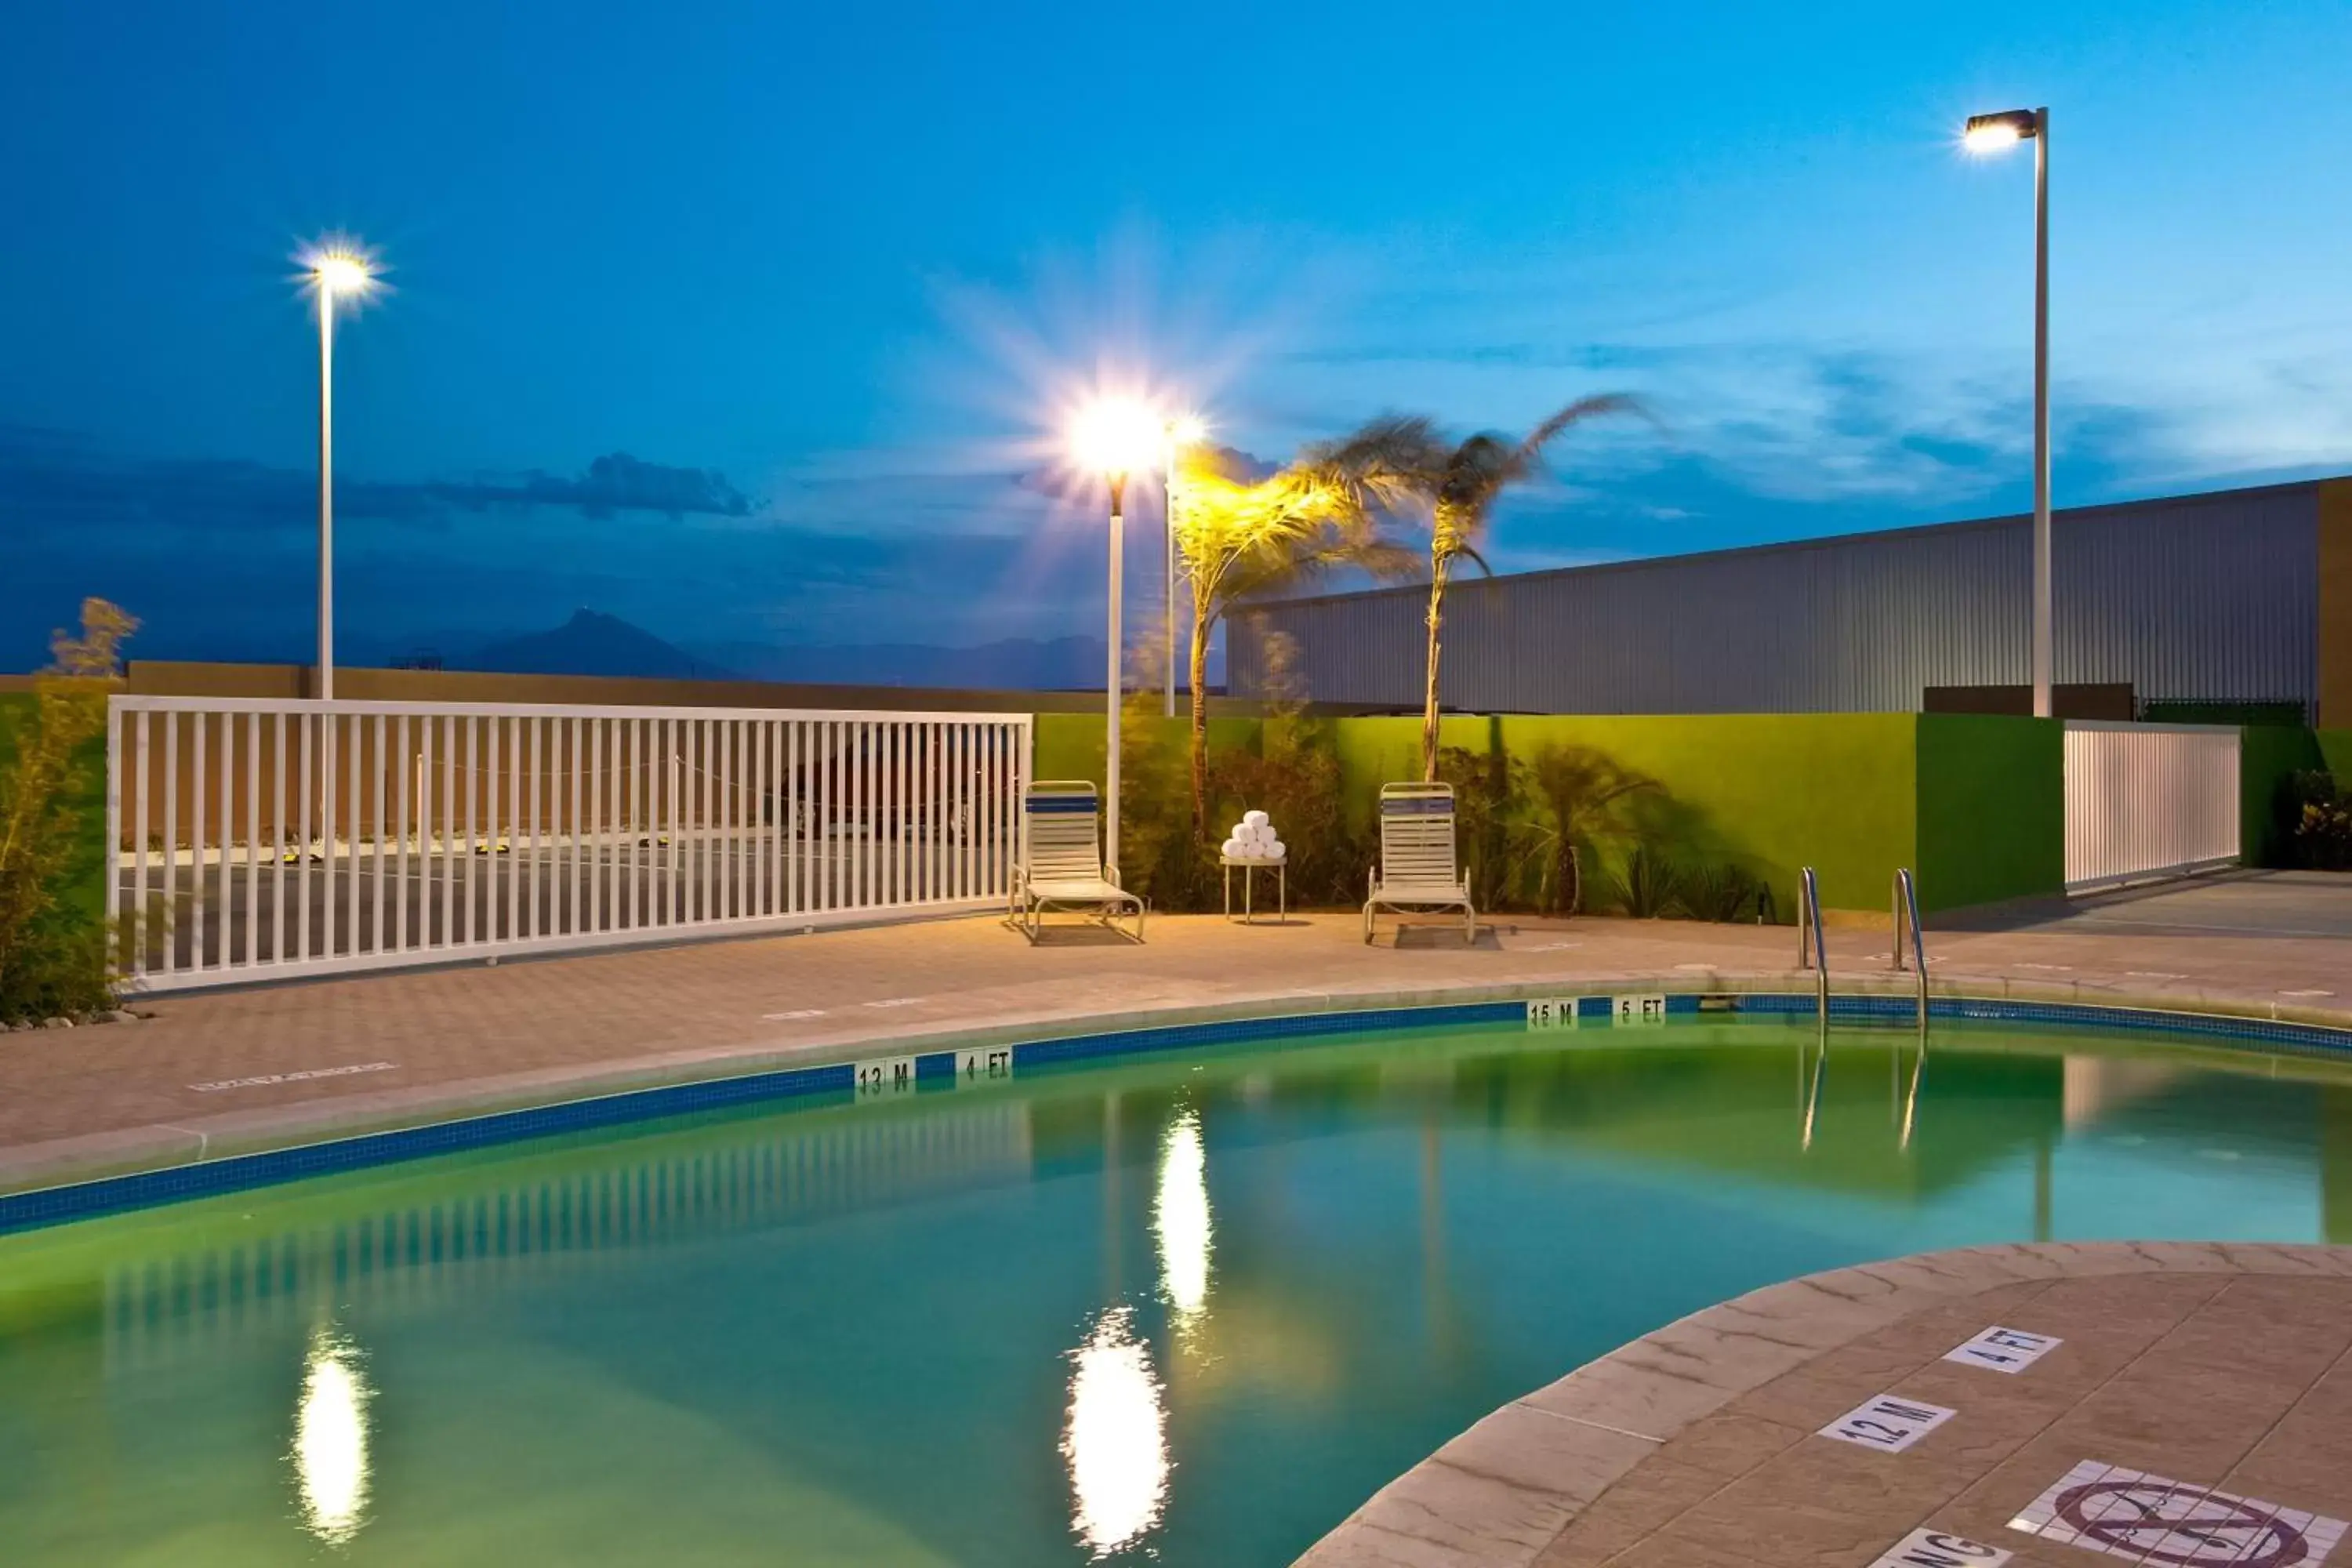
(2322, 819)
(55, 956)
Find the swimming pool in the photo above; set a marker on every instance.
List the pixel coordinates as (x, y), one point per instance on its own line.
(1185, 1308)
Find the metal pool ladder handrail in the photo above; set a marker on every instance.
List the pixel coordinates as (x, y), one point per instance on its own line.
(1810, 944)
(1906, 917)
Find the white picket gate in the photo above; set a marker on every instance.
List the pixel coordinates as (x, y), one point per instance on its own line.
(2146, 801)
(251, 839)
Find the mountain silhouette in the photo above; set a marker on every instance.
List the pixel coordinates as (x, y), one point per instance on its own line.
(594, 643)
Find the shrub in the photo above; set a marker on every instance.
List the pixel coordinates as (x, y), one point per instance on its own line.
(1722, 891)
(55, 957)
(1651, 885)
(1586, 791)
(2321, 818)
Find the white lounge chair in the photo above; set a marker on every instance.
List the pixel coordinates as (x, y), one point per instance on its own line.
(1062, 866)
(1417, 869)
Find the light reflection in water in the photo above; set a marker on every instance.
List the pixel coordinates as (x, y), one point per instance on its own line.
(330, 1437)
(1116, 1442)
(1181, 1219)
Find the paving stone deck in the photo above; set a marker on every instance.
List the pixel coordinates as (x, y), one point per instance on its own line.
(2196, 1413)
(212, 1072)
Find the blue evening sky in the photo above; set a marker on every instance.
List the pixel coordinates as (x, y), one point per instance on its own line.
(743, 322)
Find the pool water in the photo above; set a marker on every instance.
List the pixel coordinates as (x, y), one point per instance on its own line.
(1186, 1311)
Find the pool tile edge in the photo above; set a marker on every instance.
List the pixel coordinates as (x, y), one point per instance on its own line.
(348, 1137)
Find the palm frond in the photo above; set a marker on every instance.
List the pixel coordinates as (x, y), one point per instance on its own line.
(1530, 450)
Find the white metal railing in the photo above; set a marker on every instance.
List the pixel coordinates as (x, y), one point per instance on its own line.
(249, 839)
(2145, 801)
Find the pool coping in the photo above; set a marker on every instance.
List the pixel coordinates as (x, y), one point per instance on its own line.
(1497, 1495)
(45, 1185)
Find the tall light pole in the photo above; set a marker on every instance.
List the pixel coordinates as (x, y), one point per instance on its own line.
(1114, 439)
(339, 271)
(1183, 432)
(1994, 134)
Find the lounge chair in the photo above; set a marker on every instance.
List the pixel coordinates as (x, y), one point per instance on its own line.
(1417, 869)
(1062, 865)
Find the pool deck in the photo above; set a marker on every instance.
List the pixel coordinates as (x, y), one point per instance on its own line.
(212, 1073)
(2202, 1387)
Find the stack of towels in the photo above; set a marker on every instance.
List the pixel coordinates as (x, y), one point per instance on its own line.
(1251, 839)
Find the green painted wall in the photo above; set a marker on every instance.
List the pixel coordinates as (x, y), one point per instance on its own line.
(2335, 751)
(1771, 791)
(2267, 755)
(1992, 809)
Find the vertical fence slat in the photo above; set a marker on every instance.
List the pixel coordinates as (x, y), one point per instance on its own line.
(351, 832)
(672, 775)
(510, 859)
(225, 927)
(253, 839)
(196, 736)
(171, 958)
(637, 835)
(795, 818)
(405, 803)
(472, 890)
(542, 764)
(118, 929)
(302, 839)
(140, 833)
(444, 817)
(375, 784)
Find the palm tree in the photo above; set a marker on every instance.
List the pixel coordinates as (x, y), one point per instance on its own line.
(1405, 460)
(1237, 537)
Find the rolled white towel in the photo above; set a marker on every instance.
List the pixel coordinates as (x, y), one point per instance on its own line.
(1255, 819)
(1238, 830)
(1273, 850)
(1237, 848)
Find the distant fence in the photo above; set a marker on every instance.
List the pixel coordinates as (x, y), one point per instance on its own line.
(254, 839)
(2146, 801)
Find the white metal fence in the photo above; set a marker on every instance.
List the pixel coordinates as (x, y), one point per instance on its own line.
(2145, 801)
(250, 839)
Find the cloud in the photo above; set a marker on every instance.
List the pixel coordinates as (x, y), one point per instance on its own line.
(56, 480)
(614, 483)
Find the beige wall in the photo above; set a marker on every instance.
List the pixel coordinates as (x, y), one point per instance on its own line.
(155, 678)
(2336, 605)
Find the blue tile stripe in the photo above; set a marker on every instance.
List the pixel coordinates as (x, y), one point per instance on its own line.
(242, 1173)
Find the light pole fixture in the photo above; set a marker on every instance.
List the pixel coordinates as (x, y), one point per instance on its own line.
(1184, 431)
(338, 272)
(1115, 437)
(1995, 134)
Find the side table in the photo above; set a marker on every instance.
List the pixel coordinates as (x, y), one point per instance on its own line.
(1249, 864)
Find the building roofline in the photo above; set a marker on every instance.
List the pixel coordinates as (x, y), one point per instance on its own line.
(1820, 541)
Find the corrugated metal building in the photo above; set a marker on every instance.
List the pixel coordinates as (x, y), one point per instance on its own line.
(2211, 597)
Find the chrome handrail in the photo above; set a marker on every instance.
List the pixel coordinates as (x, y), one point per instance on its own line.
(1906, 917)
(1810, 944)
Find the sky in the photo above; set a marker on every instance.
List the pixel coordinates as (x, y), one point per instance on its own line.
(755, 324)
